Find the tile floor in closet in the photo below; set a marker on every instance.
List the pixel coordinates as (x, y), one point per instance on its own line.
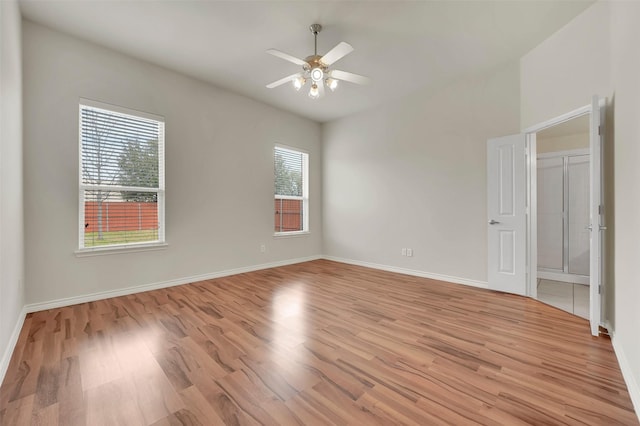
(573, 298)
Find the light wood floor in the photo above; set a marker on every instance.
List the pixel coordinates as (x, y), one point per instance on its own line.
(314, 343)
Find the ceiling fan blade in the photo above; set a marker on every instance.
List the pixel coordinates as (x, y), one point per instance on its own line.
(350, 77)
(286, 57)
(283, 80)
(342, 49)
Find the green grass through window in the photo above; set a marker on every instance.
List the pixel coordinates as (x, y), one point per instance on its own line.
(120, 237)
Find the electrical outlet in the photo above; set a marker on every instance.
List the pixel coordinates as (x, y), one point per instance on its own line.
(263, 248)
(410, 252)
(404, 251)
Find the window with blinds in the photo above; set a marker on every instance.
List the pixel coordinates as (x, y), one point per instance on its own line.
(121, 177)
(291, 190)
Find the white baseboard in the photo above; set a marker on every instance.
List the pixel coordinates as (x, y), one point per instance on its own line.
(68, 301)
(11, 345)
(59, 303)
(627, 373)
(415, 273)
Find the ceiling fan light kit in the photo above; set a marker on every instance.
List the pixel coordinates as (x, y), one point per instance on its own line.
(316, 68)
(299, 82)
(314, 93)
(332, 84)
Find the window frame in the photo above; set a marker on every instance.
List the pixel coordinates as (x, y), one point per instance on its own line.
(82, 187)
(305, 191)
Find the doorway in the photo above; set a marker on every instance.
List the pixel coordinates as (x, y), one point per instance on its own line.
(595, 113)
(512, 199)
(563, 178)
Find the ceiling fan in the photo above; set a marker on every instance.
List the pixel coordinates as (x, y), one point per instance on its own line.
(317, 68)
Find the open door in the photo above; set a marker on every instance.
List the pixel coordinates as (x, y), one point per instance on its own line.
(596, 210)
(506, 198)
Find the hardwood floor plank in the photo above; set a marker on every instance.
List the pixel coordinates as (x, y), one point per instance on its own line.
(48, 416)
(313, 343)
(71, 407)
(197, 406)
(308, 414)
(220, 402)
(154, 394)
(271, 378)
(25, 376)
(348, 411)
(17, 411)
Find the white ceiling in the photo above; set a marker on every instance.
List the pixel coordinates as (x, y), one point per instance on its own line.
(403, 46)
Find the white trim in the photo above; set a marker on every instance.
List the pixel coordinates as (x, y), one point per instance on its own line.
(117, 188)
(119, 248)
(568, 153)
(559, 120)
(11, 345)
(287, 197)
(290, 234)
(564, 117)
(119, 109)
(81, 197)
(561, 276)
(291, 148)
(627, 373)
(532, 214)
(68, 301)
(413, 272)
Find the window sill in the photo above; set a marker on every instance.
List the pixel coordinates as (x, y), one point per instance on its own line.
(290, 234)
(128, 248)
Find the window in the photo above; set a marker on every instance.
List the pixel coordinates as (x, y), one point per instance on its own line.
(291, 170)
(121, 177)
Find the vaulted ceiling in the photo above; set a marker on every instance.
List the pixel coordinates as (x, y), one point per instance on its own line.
(403, 46)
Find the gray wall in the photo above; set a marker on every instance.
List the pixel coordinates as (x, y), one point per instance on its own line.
(412, 174)
(564, 71)
(11, 222)
(219, 171)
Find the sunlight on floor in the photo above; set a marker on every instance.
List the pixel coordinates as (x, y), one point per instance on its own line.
(287, 314)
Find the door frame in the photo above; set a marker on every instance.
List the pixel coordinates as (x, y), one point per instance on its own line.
(532, 193)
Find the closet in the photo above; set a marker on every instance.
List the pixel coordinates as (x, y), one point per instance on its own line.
(563, 216)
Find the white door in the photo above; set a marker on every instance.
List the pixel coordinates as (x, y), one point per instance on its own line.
(506, 199)
(596, 210)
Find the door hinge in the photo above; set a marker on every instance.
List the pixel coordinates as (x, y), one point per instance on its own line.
(600, 130)
(600, 209)
(599, 289)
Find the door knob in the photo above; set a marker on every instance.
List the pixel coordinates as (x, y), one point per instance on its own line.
(493, 222)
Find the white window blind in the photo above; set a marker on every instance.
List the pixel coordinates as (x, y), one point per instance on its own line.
(291, 190)
(121, 176)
